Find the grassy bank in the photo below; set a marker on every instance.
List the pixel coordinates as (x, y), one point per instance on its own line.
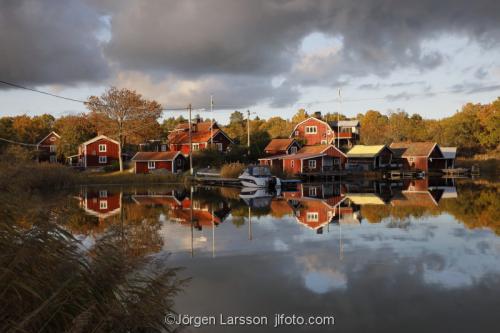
(31, 176)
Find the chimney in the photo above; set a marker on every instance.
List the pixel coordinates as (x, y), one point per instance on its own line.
(317, 114)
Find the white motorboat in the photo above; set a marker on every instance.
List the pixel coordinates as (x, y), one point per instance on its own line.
(256, 197)
(259, 176)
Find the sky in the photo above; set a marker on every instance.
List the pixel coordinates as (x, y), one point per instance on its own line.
(268, 56)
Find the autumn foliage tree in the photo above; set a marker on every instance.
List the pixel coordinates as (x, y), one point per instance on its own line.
(125, 115)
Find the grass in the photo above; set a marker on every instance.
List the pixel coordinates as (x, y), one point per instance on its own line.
(232, 170)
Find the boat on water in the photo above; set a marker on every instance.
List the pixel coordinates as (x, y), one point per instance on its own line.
(259, 176)
(257, 197)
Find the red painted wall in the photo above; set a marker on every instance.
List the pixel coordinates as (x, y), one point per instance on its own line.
(287, 166)
(142, 167)
(112, 151)
(44, 149)
(313, 139)
(93, 201)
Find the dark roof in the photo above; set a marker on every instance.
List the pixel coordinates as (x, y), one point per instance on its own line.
(344, 123)
(180, 134)
(279, 144)
(406, 149)
(155, 156)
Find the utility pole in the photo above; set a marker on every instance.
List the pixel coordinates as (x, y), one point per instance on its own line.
(248, 131)
(190, 142)
(338, 119)
(211, 121)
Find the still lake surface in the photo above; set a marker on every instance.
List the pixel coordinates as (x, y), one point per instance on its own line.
(407, 256)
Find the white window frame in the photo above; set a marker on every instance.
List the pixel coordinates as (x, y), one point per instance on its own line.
(103, 159)
(312, 216)
(293, 150)
(103, 204)
(52, 139)
(219, 146)
(151, 165)
(103, 148)
(297, 133)
(103, 193)
(163, 148)
(195, 147)
(52, 148)
(311, 129)
(311, 164)
(313, 191)
(292, 163)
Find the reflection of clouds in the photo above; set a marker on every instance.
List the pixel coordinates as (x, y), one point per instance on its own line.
(319, 274)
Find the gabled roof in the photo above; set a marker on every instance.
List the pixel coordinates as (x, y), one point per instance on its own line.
(279, 144)
(155, 156)
(99, 137)
(407, 149)
(313, 118)
(53, 132)
(307, 152)
(449, 152)
(180, 134)
(365, 151)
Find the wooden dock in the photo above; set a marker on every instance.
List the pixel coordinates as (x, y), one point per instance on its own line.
(404, 174)
(218, 181)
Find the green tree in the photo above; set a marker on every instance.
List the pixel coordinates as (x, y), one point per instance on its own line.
(74, 130)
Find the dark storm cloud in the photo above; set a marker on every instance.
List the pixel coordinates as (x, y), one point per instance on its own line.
(49, 42)
(221, 39)
(262, 37)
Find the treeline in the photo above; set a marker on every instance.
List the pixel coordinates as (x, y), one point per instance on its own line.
(475, 129)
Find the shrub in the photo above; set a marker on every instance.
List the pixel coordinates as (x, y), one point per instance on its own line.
(115, 166)
(232, 170)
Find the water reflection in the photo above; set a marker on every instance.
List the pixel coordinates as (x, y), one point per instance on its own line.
(352, 249)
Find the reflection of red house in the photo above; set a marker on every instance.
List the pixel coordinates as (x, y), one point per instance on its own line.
(316, 131)
(417, 194)
(203, 215)
(100, 203)
(98, 152)
(315, 213)
(146, 162)
(423, 156)
(201, 137)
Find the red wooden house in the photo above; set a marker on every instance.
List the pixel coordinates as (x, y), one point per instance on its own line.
(98, 152)
(313, 159)
(316, 131)
(47, 148)
(100, 203)
(171, 161)
(275, 150)
(202, 135)
(423, 156)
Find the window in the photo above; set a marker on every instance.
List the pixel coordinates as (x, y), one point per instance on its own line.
(296, 133)
(52, 139)
(293, 150)
(219, 146)
(311, 129)
(103, 204)
(52, 159)
(311, 164)
(103, 194)
(196, 146)
(151, 165)
(336, 161)
(103, 159)
(102, 148)
(292, 163)
(313, 191)
(179, 162)
(163, 147)
(312, 217)
(410, 159)
(53, 148)
(323, 142)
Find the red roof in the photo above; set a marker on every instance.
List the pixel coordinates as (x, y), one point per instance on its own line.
(279, 144)
(201, 133)
(155, 156)
(406, 149)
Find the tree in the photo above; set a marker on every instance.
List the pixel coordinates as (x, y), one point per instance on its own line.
(374, 127)
(277, 127)
(73, 130)
(122, 113)
(300, 116)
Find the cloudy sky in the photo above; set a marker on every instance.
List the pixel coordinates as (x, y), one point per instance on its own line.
(269, 56)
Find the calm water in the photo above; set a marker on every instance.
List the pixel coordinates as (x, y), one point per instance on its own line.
(386, 257)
